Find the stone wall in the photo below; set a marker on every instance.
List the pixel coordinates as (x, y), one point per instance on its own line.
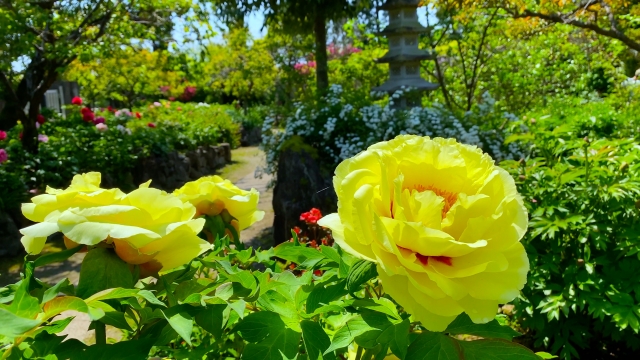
(167, 172)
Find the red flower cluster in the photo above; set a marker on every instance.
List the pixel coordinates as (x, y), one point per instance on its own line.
(3, 135)
(41, 119)
(87, 114)
(76, 100)
(111, 109)
(151, 125)
(312, 216)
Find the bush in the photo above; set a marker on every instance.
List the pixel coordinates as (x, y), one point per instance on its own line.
(72, 145)
(581, 182)
(344, 124)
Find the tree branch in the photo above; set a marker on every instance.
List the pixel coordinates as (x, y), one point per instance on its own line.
(614, 32)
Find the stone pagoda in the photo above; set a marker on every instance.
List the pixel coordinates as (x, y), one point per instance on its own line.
(404, 56)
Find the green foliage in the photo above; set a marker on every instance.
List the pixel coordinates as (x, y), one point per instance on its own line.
(74, 146)
(581, 182)
(220, 306)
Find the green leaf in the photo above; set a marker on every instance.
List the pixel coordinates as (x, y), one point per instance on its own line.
(361, 272)
(498, 349)
(180, 321)
(12, 325)
(25, 305)
(279, 345)
(278, 303)
(316, 341)
(437, 346)
(463, 325)
(303, 256)
(117, 293)
(64, 303)
(151, 299)
(434, 346)
(238, 306)
(545, 355)
(366, 327)
(397, 337)
(102, 269)
(258, 325)
(125, 350)
(53, 291)
(382, 305)
(323, 295)
(56, 256)
(116, 319)
(59, 325)
(212, 319)
(244, 278)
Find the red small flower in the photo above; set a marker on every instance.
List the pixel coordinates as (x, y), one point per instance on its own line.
(312, 216)
(292, 266)
(317, 272)
(41, 119)
(151, 125)
(313, 244)
(76, 100)
(296, 229)
(99, 120)
(85, 110)
(110, 109)
(138, 115)
(3, 135)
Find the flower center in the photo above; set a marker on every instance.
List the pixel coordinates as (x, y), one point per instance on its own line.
(449, 197)
(424, 259)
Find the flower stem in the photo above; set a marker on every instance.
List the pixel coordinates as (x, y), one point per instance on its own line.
(101, 333)
(359, 353)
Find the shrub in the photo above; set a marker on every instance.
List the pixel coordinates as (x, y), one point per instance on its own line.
(581, 189)
(344, 124)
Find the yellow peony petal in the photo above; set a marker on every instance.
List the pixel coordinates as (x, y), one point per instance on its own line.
(442, 222)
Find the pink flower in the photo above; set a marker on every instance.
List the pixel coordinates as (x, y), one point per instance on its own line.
(34, 191)
(157, 104)
(179, 108)
(41, 119)
(3, 135)
(102, 127)
(151, 125)
(76, 100)
(172, 98)
(99, 120)
(3, 156)
(37, 125)
(43, 138)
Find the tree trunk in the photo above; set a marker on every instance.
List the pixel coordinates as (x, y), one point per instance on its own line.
(322, 65)
(37, 79)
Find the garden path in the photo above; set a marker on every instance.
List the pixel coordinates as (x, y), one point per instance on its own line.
(245, 164)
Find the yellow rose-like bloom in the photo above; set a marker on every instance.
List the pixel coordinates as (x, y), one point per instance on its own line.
(440, 220)
(212, 194)
(146, 225)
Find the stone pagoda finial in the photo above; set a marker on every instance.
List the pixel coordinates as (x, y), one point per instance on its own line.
(404, 56)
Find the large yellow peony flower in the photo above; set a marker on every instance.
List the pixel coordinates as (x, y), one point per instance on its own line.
(147, 226)
(212, 194)
(440, 220)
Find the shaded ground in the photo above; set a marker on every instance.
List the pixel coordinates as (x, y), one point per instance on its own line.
(241, 172)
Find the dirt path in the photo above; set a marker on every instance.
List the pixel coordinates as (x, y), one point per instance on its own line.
(241, 172)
